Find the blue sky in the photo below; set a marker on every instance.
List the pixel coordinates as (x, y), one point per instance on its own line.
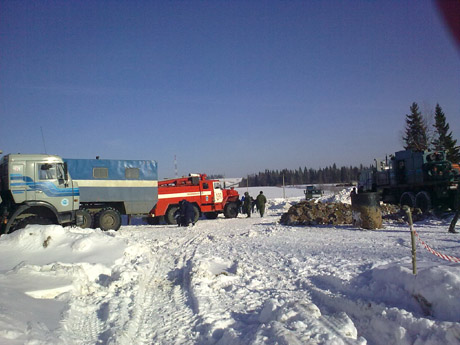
(229, 87)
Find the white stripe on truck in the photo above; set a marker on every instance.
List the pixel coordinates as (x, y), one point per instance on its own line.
(183, 195)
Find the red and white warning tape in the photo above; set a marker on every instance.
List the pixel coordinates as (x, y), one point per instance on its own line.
(432, 251)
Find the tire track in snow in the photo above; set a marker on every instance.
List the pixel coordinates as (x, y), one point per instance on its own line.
(81, 324)
(162, 299)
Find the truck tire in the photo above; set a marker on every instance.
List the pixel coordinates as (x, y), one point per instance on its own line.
(423, 201)
(408, 199)
(108, 219)
(87, 218)
(171, 214)
(231, 210)
(32, 220)
(196, 212)
(211, 215)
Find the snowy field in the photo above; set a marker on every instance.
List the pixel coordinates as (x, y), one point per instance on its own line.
(230, 281)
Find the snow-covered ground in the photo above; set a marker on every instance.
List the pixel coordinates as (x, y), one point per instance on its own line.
(229, 281)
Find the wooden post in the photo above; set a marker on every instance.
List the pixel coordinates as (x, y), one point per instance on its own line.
(412, 238)
(284, 192)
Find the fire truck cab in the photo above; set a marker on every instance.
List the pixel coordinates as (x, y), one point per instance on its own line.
(206, 196)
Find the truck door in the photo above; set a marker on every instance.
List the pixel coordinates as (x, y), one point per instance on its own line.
(218, 194)
(19, 182)
(52, 187)
(205, 192)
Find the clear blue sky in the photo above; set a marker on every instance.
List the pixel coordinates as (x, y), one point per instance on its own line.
(229, 87)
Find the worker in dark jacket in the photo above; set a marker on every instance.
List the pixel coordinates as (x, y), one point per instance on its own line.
(457, 213)
(187, 213)
(247, 204)
(261, 200)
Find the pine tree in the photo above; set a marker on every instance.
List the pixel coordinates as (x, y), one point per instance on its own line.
(443, 140)
(416, 138)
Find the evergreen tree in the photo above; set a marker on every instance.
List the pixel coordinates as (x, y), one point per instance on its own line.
(416, 138)
(443, 140)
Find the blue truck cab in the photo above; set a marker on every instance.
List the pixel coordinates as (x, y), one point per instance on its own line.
(36, 189)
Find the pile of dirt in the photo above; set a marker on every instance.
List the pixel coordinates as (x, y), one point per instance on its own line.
(315, 213)
(388, 209)
(394, 214)
(331, 213)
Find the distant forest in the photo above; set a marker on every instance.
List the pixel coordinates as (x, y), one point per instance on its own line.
(331, 174)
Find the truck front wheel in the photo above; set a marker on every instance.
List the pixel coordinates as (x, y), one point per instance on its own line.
(171, 214)
(108, 219)
(196, 213)
(32, 220)
(231, 210)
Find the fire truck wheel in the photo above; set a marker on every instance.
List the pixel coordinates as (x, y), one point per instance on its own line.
(32, 220)
(87, 218)
(423, 201)
(196, 212)
(231, 210)
(108, 219)
(407, 198)
(170, 215)
(211, 215)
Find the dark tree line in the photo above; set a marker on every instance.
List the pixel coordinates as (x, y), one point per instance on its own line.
(331, 174)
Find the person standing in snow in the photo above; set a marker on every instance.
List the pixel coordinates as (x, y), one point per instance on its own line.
(457, 213)
(353, 192)
(247, 204)
(261, 200)
(240, 205)
(187, 213)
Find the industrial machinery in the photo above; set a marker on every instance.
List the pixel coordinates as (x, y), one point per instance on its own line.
(425, 180)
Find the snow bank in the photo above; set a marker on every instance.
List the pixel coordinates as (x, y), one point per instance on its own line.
(434, 291)
(342, 196)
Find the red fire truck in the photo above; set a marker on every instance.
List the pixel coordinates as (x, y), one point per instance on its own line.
(206, 196)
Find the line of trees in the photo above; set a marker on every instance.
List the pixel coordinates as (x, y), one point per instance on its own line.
(331, 174)
(419, 137)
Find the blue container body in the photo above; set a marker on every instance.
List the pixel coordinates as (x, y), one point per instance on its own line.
(130, 183)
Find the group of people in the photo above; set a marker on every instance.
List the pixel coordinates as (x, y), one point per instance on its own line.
(248, 204)
(186, 213)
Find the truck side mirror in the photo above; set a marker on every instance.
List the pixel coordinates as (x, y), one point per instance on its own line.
(66, 172)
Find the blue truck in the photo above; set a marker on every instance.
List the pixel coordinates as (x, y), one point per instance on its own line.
(111, 188)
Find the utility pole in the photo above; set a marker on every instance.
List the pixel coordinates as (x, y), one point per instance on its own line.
(175, 166)
(284, 191)
(43, 139)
